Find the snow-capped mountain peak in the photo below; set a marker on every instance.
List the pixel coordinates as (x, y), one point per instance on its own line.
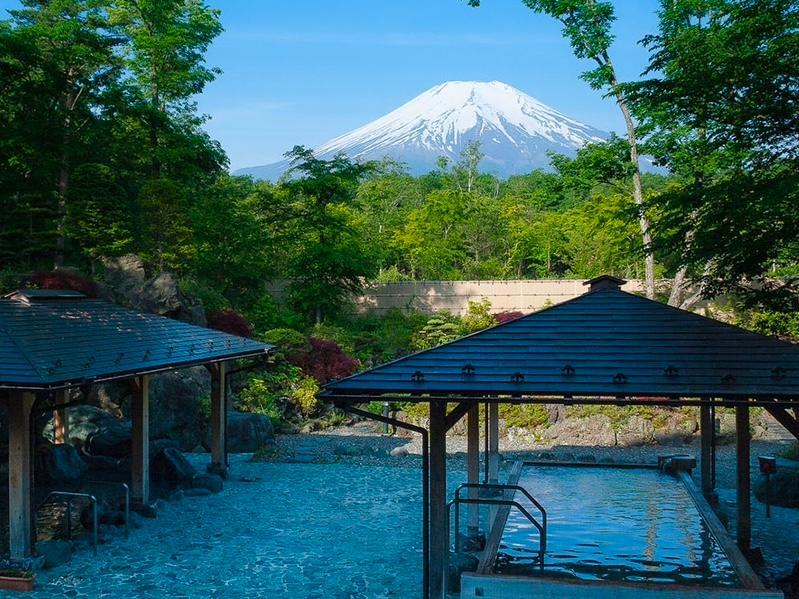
(514, 129)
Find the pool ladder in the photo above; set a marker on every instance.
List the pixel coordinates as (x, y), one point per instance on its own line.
(500, 501)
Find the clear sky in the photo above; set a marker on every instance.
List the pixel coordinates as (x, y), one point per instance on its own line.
(303, 71)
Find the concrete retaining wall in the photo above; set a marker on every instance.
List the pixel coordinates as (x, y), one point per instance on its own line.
(430, 296)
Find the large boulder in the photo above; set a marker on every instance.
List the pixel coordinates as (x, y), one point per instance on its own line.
(248, 432)
(60, 463)
(169, 465)
(98, 433)
(127, 283)
(176, 410)
(635, 431)
(594, 430)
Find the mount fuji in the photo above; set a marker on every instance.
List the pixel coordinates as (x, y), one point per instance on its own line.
(515, 131)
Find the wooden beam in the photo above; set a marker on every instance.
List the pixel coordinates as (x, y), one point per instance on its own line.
(219, 461)
(140, 451)
(784, 417)
(20, 477)
(493, 443)
(60, 419)
(457, 413)
(708, 430)
(439, 525)
(744, 528)
(473, 466)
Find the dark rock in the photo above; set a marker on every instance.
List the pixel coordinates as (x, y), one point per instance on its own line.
(248, 433)
(55, 553)
(197, 492)
(458, 564)
(212, 482)
(586, 458)
(87, 422)
(169, 465)
(62, 463)
(99, 463)
(176, 496)
(127, 283)
(112, 438)
(783, 488)
(176, 411)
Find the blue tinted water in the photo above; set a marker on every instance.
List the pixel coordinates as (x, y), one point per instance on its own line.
(613, 524)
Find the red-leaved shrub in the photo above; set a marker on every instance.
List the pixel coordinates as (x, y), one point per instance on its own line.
(503, 317)
(64, 280)
(229, 321)
(325, 361)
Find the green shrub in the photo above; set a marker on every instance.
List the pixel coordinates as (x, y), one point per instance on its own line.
(442, 328)
(289, 342)
(524, 415)
(775, 324)
(304, 396)
(266, 314)
(478, 316)
(791, 452)
(212, 300)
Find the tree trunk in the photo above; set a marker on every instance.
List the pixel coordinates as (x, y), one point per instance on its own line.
(63, 171)
(638, 193)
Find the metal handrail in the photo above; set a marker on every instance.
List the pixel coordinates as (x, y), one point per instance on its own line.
(542, 527)
(69, 496)
(127, 500)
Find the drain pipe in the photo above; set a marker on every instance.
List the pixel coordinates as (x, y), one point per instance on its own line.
(425, 482)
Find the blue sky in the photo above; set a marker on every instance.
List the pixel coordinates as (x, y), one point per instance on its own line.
(303, 71)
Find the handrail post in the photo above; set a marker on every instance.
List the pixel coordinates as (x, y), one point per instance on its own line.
(94, 522)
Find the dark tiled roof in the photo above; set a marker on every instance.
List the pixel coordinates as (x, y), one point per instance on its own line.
(50, 341)
(605, 343)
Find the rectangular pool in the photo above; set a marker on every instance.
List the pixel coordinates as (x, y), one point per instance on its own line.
(616, 525)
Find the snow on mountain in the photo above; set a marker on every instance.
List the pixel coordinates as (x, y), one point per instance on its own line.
(514, 129)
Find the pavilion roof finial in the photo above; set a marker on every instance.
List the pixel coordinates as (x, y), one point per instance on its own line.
(604, 282)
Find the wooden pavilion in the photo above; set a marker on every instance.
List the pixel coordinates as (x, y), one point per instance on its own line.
(604, 347)
(54, 341)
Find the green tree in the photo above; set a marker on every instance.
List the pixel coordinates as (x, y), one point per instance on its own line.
(166, 42)
(231, 227)
(166, 228)
(76, 58)
(99, 214)
(587, 25)
(329, 261)
(719, 109)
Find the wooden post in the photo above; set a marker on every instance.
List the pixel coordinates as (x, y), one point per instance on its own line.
(493, 448)
(744, 527)
(20, 478)
(473, 466)
(708, 430)
(60, 419)
(140, 453)
(439, 543)
(218, 420)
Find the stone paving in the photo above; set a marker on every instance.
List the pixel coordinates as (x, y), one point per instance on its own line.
(308, 530)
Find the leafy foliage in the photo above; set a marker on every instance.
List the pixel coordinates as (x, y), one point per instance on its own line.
(325, 361)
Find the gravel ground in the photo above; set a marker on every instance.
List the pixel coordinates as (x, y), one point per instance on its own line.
(364, 444)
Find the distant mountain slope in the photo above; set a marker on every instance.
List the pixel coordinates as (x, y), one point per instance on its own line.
(514, 129)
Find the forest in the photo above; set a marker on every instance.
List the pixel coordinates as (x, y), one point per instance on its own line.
(103, 153)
